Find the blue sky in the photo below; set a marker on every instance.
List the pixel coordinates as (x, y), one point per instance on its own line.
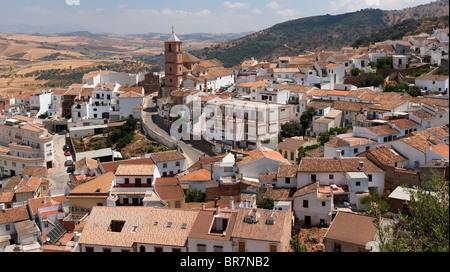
(187, 16)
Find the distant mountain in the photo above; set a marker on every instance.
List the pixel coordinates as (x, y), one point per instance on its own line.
(193, 36)
(326, 32)
(406, 27)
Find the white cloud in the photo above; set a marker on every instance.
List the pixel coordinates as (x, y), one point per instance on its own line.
(121, 6)
(288, 13)
(273, 5)
(235, 5)
(255, 11)
(204, 12)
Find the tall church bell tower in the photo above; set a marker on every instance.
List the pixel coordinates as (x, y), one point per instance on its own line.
(173, 64)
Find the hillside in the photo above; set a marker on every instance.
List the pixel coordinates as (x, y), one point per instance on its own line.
(406, 27)
(326, 32)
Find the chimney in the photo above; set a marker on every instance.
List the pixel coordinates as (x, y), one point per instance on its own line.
(338, 154)
(361, 165)
(231, 203)
(255, 218)
(217, 212)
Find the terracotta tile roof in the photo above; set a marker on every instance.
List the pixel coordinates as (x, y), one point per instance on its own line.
(350, 164)
(404, 123)
(167, 193)
(86, 162)
(306, 190)
(7, 196)
(189, 58)
(112, 166)
(422, 114)
(384, 155)
(167, 156)
(350, 106)
(442, 131)
(352, 228)
(37, 203)
(208, 160)
(30, 184)
(432, 77)
(336, 142)
(143, 225)
(290, 144)
(257, 154)
(359, 92)
(318, 92)
(441, 149)
(198, 175)
(267, 177)
(204, 222)
(135, 170)
(261, 230)
(383, 130)
(295, 88)
(256, 84)
(13, 215)
(337, 92)
(280, 194)
(97, 185)
(211, 63)
(167, 181)
(319, 104)
(287, 171)
(420, 140)
(35, 171)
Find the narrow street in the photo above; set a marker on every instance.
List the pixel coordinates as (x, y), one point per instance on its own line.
(58, 174)
(149, 114)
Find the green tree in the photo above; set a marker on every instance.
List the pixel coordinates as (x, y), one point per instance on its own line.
(195, 196)
(289, 129)
(426, 227)
(385, 63)
(383, 205)
(355, 71)
(266, 203)
(306, 118)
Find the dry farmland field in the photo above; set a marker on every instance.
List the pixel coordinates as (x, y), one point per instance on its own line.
(38, 61)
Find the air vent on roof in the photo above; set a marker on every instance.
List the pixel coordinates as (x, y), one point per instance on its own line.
(183, 226)
(169, 225)
(156, 223)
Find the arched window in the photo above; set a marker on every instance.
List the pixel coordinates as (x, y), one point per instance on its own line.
(142, 249)
(170, 48)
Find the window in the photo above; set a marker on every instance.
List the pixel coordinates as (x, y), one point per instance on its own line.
(313, 177)
(287, 180)
(305, 203)
(164, 165)
(176, 249)
(116, 225)
(358, 183)
(149, 181)
(369, 176)
(127, 181)
(106, 250)
(218, 248)
(7, 227)
(158, 249)
(331, 177)
(201, 248)
(323, 203)
(355, 150)
(89, 249)
(337, 247)
(142, 249)
(273, 248)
